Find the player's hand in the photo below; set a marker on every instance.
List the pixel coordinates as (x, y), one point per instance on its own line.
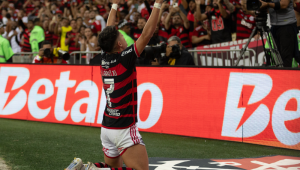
(198, 2)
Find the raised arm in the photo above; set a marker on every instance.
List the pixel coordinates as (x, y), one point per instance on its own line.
(149, 28)
(198, 16)
(113, 13)
(223, 10)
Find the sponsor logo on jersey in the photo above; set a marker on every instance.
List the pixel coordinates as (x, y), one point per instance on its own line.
(126, 52)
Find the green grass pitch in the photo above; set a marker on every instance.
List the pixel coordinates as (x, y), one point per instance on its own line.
(26, 145)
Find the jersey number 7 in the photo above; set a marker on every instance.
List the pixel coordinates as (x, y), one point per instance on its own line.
(111, 83)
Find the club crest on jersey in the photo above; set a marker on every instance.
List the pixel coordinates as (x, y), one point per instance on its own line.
(126, 52)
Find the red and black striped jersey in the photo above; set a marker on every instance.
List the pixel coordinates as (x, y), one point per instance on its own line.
(72, 44)
(200, 32)
(29, 8)
(26, 47)
(220, 26)
(118, 73)
(182, 33)
(56, 40)
(48, 36)
(244, 26)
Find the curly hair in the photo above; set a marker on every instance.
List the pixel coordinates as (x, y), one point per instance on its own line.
(107, 38)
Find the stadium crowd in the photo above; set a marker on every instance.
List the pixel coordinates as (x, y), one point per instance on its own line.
(73, 25)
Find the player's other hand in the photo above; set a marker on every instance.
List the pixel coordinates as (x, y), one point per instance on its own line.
(198, 2)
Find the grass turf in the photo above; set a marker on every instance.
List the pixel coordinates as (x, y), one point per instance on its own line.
(26, 145)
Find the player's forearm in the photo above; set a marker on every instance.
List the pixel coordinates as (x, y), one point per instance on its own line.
(229, 5)
(112, 17)
(150, 26)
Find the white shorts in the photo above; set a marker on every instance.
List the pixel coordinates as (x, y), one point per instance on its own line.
(116, 141)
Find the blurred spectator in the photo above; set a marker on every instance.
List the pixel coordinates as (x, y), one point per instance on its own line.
(245, 22)
(86, 18)
(73, 38)
(3, 16)
(47, 31)
(190, 10)
(94, 24)
(134, 17)
(101, 19)
(8, 24)
(136, 32)
(51, 57)
(14, 37)
(13, 12)
(37, 35)
(79, 22)
(176, 54)
(179, 27)
(219, 21)
(63, 30)
(6, 52)
(4, 5)
(158, 37)
(25, 44)
(22, 16)
(82, 30)
(88, 43)
(200, 36)
(124, 29)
